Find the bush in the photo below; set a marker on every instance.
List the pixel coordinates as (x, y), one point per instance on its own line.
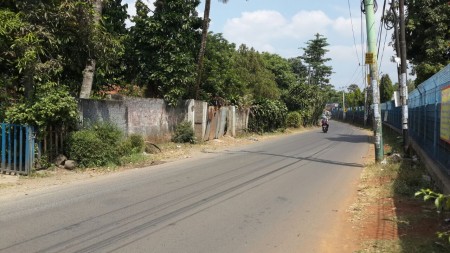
(87, 149)
(267, 116)
(184, 133)
(97, 145)
(293, 120)
(137, 143)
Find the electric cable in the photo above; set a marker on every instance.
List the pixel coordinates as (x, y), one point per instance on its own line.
(353, 32)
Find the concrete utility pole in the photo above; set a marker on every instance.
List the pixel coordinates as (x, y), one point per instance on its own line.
(404, 88)
(371, 59)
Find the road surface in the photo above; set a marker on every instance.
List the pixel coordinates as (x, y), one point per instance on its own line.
(280, 195)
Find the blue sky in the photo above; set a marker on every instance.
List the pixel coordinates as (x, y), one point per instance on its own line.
(284, 26)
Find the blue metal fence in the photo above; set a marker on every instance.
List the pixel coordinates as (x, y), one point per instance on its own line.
(17, 149)
(424, 111)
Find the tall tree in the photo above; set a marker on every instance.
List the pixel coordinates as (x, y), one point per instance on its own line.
(201, 54)
(316, 90)
(173, 37)
(428, 36)
(314, 57)
(91, 61)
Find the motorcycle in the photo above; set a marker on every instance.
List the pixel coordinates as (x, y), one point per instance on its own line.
(325, 125)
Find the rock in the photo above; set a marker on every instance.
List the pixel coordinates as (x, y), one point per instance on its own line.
(60, 159)
(70, 165)
(395, 158)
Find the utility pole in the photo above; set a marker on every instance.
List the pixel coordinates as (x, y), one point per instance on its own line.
(371, 59)
(404, 88)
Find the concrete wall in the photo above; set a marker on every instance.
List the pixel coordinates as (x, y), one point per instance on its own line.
(157, 121)
(152, 118)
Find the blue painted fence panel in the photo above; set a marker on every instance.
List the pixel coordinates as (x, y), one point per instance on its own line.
(17, 149)
(424, 105)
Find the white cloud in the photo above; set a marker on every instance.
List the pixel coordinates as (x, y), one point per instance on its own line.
(307, 23)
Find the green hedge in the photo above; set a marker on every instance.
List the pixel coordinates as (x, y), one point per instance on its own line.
(267, 116)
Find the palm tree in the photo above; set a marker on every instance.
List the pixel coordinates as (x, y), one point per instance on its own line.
(201, 54)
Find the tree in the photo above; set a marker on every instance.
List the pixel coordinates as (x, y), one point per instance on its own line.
(386, 88)
(252, 71)
(27, 44)
(89, 69)
(427, 37)
(310, 97)
(174, 39)
(299, 69)
(281, 68)
(201, 54)
(313, 56)
(354, 97)
(219, 78)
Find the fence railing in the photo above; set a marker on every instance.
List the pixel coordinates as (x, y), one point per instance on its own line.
(51, 142)
(17, 149)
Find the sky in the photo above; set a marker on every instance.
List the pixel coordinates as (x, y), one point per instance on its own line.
(284, 27)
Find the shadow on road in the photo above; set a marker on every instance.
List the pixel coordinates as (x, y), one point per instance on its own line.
(350, 138)
(309, 158)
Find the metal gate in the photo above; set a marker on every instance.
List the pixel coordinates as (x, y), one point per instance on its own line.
(17, 149)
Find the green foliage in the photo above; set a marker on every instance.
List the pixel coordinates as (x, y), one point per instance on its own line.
(441, 202)
(184, 133)
(308, 100)
(386, 88)
(354, 97)
(87, 149)
(97, 145)
(313, 56)
(52, 105)
(166, 46)
(253, 72)
(267, 116)
(133, 144)
(219, 76)
(294, 120)
(427, 34)
(137, 143)
(281, 69)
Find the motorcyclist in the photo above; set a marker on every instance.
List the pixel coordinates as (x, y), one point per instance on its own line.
(325, 117)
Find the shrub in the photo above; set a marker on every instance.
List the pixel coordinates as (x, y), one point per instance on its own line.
(184, 133)
(293, 120)
(87, 149)
(97, 145)
(267, 116)
(137, 143)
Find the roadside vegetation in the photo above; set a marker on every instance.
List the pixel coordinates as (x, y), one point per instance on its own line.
(388, 215)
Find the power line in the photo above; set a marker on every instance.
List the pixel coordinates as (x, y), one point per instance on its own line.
(353, 32)
(384, 46)
(381, 27)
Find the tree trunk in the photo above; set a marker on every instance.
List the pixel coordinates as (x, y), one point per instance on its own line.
(88, 79)
(201, 54)
(89, 70)
(28, 82)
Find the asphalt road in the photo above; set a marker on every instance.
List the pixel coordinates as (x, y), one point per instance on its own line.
(274, 196)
